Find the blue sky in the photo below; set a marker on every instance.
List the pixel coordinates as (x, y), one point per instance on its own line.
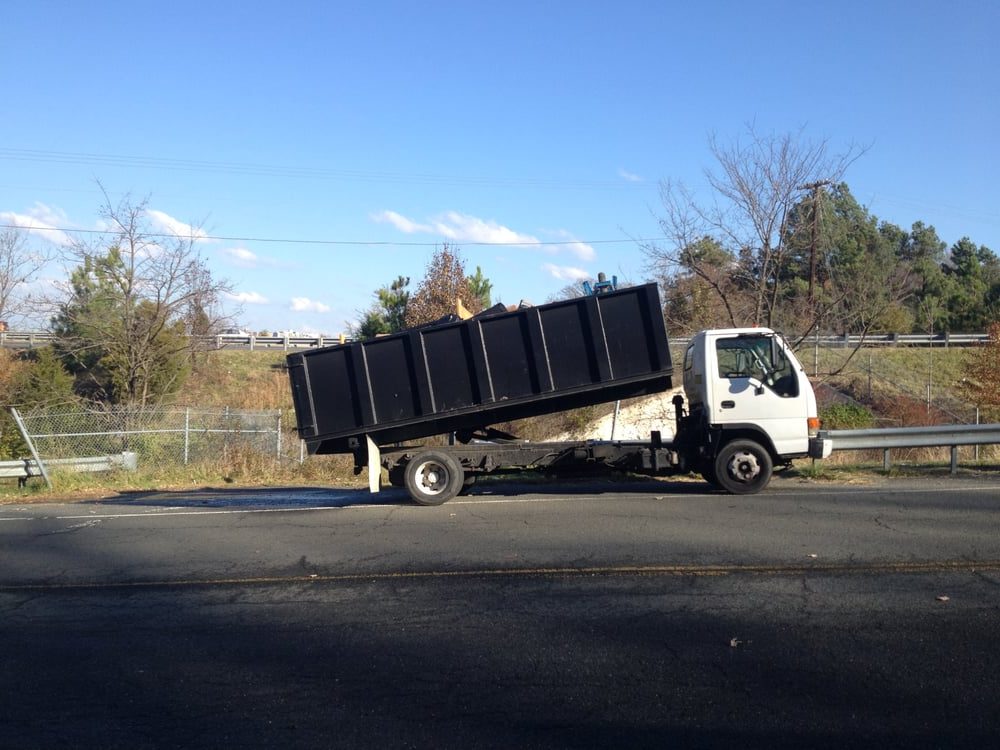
(374, 130)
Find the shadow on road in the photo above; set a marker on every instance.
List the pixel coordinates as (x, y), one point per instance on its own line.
(257, 497)
(335, 497)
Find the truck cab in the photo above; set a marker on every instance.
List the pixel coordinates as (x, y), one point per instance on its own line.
(744, 386)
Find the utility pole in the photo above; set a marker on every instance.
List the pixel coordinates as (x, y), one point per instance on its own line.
(815, 187)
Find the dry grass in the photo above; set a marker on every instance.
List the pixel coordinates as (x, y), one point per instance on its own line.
(253, 381)
(239, 469)
(239, 380)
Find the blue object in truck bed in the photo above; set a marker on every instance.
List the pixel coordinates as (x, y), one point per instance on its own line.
(474, 373)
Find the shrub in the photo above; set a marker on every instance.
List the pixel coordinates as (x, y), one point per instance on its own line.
(847, 417)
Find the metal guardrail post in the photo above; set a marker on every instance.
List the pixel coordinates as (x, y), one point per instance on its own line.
(977, 422)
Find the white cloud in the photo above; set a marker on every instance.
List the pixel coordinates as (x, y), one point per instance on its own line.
(242, 257)
(37, 226)
(581, 250)
(248, 298)
(629, 176)
(402, 223)
(49, 214)
(176, 227)
(304, 304)
(464, 228)
(565, 273)
(459, 227)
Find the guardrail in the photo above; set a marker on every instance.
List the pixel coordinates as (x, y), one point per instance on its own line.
(24, 468)
(939, 436)
(31, 339)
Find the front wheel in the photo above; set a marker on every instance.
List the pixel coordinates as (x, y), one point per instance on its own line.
(433, 477)
(743, 467)
(708, 474)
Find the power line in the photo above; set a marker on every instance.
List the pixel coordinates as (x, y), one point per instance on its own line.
(348, 243)
(320, 173)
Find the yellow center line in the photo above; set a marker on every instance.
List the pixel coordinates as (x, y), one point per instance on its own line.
(814, 569)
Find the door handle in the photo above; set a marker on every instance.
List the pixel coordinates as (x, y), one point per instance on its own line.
(728, 404)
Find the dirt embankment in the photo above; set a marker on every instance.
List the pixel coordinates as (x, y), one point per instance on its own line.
(637, 417)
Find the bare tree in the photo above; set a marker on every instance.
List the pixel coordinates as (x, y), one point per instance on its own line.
(19, 265)
(736, 244)
(134, 307)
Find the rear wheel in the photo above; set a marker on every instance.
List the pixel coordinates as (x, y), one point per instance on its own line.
(397, 476)
(433, 477)
(743, 467)
(467, 483)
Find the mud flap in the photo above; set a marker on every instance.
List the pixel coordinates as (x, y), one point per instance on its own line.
(374, 465)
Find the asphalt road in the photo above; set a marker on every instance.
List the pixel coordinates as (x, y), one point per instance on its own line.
(610, 615)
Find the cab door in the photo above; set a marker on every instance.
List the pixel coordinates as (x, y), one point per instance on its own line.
(758, 381)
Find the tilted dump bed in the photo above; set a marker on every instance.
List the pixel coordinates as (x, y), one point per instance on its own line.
(479, 372)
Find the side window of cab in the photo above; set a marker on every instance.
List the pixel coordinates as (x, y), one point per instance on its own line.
(760, 357)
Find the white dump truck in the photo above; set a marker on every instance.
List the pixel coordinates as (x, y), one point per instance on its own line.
(747, 408)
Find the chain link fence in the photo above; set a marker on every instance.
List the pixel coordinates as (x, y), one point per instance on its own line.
(163, 436)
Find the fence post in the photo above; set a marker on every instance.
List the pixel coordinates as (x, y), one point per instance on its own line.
(977, 422)
(187, 434)
(31, 446)
(278, 455)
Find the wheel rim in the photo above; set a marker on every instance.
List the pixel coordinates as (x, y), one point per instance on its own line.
(432, 478)
(743, 466)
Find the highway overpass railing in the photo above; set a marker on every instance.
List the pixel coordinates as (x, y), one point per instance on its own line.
(32, 339)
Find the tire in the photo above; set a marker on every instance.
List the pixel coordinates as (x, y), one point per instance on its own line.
(433, 477)
(707, 472)
(397, 476)
(743, 467)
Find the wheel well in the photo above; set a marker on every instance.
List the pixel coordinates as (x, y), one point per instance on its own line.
(729, 434)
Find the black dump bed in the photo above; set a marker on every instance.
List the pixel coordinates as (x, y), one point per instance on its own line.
(475, 373)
